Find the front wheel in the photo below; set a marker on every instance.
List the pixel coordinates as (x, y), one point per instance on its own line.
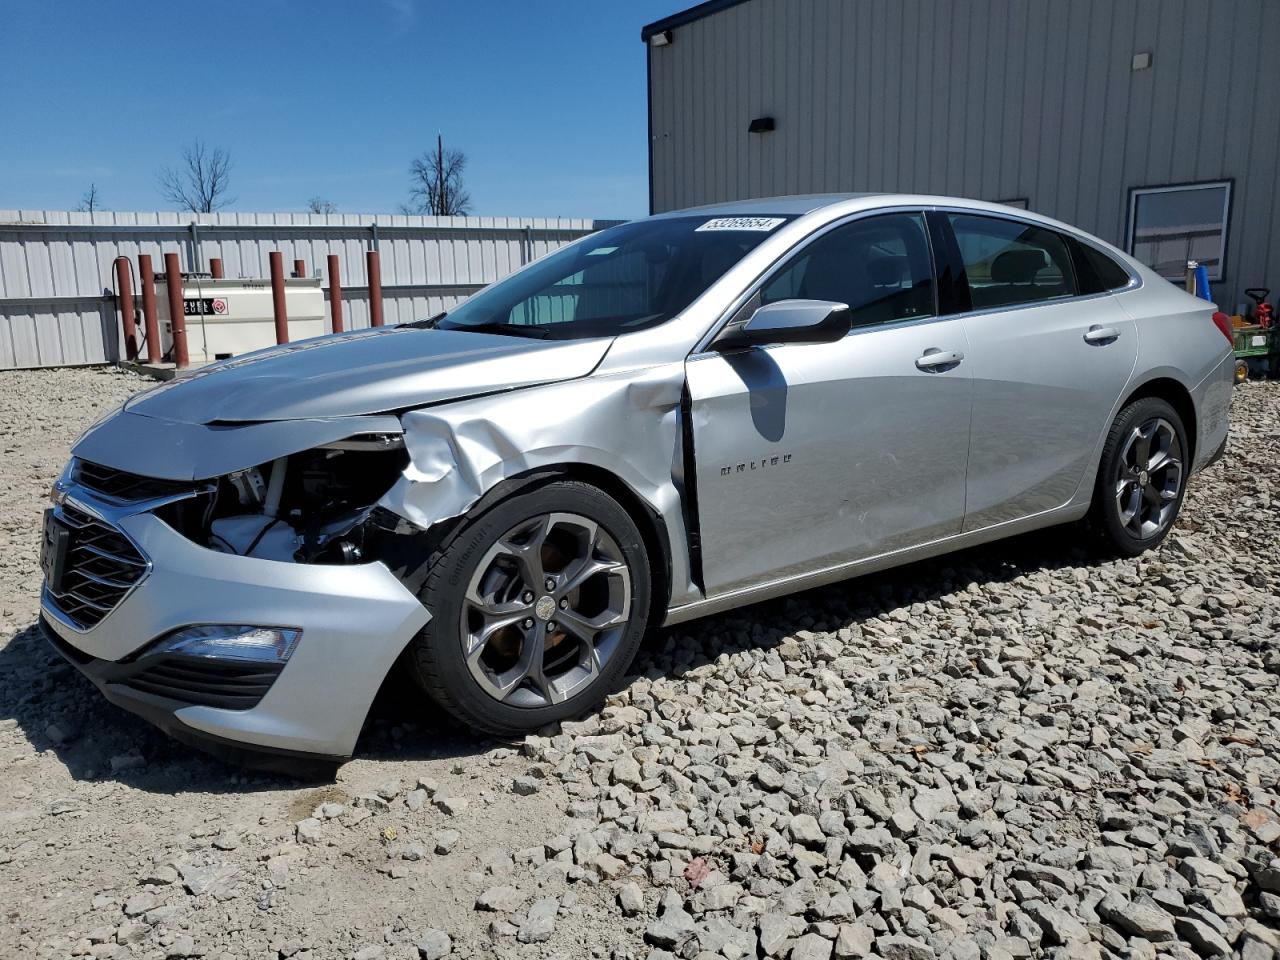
(538, 607)
(1142, 477)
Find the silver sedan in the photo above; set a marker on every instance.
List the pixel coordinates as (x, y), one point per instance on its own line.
(666, 419)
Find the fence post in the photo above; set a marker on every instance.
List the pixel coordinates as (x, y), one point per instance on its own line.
(177, 316)
(299, 268)
(277, 296)
(335, 293)
(150, 323)
(215, 268)
(124, 289)
(374, 269)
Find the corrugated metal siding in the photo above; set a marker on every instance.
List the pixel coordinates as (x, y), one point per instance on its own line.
(993, 99)
(57, 280)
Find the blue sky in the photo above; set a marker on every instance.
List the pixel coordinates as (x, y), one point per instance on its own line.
(325, 98)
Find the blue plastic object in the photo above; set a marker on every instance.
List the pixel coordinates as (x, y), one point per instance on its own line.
(1202, 283)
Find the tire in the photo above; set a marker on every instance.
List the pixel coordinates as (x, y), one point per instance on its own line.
(1242, 371)
(586, 617)
(1132, 472)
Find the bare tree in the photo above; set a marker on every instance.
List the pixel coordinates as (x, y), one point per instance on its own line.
(89, 201)
(435, 185)
(321, 205)
(200, 183)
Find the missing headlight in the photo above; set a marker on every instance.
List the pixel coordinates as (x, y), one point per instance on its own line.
(306, 507)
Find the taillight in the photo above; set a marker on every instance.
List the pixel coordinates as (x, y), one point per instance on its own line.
(1223, 323)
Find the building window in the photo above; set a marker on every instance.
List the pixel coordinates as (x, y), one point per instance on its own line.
(1170, 225)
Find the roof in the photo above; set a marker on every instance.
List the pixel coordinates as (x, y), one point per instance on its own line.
(845, 202)
(687, 16)
(761, 206)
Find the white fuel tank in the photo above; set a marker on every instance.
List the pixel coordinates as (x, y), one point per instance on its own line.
(226, 318)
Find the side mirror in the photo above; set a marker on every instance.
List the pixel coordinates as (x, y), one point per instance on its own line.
(790, 321)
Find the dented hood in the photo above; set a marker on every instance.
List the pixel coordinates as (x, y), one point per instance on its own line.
(370, 371)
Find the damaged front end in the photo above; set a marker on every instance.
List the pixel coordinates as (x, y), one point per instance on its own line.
(309, 541)
(296, 491)
(314, 506)
(214, 579)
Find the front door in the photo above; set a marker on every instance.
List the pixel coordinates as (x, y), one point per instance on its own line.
(812, 455)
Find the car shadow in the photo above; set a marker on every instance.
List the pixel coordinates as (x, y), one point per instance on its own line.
(59, 710)
(766, 391)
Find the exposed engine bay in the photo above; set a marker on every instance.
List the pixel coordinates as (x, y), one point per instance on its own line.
(309, 507)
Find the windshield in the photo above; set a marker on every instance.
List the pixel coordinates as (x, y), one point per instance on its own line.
(623, 279)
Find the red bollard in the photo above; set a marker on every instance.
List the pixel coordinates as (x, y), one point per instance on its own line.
(150, 325)
(215, 268)
(177, 316)
(375, 288)
(277, 297)
(299, 269)
(124, 286)
(335, 293)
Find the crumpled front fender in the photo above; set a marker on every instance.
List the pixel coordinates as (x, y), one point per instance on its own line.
(627, 424)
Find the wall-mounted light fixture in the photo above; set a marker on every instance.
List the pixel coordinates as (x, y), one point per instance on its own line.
(1142, 61)
(761, 125)
(661, 38)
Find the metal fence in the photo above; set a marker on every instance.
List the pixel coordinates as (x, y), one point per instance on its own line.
(57, 298)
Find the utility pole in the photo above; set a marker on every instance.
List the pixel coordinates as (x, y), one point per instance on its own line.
(440, 187)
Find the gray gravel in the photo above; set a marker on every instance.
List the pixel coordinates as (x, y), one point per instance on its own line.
(1017, 751)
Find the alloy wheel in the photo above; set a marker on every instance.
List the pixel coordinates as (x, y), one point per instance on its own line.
(1149, 478)
(545, 610)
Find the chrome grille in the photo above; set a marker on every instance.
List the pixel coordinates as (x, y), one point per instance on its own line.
(102, 565)
(120, 485)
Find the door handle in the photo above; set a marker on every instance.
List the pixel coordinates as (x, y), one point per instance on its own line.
(934, 359)
(1100, 334)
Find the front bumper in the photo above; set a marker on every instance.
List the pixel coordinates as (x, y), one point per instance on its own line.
(355, 621)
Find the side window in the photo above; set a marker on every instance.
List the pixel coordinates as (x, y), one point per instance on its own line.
(880, 266)
(1009, 263)
(1106, 273)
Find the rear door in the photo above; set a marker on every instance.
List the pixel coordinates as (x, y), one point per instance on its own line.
(1049, 357)
(810, 455)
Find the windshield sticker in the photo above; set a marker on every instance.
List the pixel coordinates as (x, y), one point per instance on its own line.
(600, 251)
(759, 224)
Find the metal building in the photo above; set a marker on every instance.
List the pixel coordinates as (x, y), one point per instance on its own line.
(1154, 124)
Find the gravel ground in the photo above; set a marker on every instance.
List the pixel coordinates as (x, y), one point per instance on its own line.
(1012, 752)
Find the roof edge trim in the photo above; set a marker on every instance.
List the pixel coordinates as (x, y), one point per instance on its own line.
(698, 12)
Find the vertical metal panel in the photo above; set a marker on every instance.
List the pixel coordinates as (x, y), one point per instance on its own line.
(56, 285)
(993, 99)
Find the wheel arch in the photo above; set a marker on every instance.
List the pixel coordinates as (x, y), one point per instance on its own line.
(1175, 394)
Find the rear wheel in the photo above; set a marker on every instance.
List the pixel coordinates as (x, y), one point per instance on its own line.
(1142, 477)
(538, 607)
